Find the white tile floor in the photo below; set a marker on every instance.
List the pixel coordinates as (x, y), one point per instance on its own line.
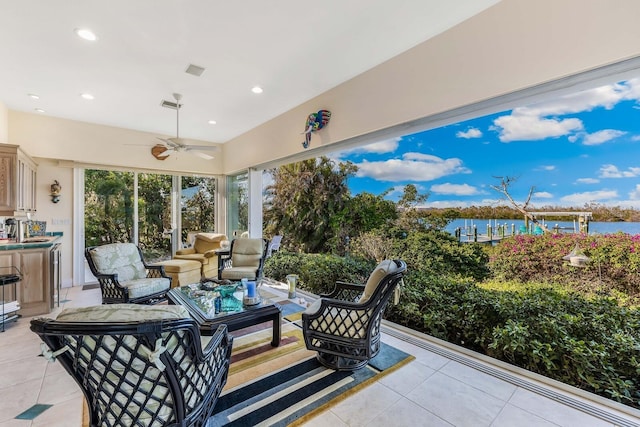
(441, 387)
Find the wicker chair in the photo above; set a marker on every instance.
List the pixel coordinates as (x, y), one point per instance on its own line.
(149, 372)
(244, 259)
(124, 276)
(344, 326)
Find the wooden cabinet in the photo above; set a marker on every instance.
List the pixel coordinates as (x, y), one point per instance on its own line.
(34, 290)
(18, 180)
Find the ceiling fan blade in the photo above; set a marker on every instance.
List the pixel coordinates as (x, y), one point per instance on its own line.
(202, 147)
(172, 142)
(167, 152)
(202, 155)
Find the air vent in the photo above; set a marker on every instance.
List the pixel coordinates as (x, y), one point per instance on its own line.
(194, 70)
(169, 104)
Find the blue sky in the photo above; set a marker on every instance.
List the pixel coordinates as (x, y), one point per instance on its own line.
(576, 149)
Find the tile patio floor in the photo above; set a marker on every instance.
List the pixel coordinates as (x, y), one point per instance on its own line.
(443, 386)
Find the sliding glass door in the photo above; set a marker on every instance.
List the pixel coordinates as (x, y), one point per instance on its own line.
(197, 206)
(238, 204)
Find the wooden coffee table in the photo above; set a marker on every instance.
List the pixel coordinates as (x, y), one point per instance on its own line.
(200, 305)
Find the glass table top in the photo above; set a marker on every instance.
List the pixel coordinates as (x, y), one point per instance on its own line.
(214, 301)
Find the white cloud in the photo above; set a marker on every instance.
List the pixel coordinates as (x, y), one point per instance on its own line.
(580, 199)
(635, 138)
(455, 189)
(627, 204)
(587, 181)
(526, 127)
(380, 147)
(540, 121)
(604, 96)
(602, 136)
(412, 167)
(546, 168)
(542, 195)
(635, 193)
(612, 171)
(447, 204)
(470, 133)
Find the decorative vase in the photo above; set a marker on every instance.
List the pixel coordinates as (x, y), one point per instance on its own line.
(292, 281)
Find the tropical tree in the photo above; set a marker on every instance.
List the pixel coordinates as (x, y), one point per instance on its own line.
(108, 207)
(361, 214)
(154, 212)
(412, 218)
(198, 204)
(303, 199)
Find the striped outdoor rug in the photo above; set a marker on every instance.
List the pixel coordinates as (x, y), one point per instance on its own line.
(293, 394)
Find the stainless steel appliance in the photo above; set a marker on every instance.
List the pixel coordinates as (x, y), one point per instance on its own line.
(11, 228)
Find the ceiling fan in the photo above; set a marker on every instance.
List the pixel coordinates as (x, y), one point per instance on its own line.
(177, 144)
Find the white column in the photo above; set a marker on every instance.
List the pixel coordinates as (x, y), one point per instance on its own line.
(255, 203)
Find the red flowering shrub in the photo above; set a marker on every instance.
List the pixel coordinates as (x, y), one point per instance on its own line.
(613, 266)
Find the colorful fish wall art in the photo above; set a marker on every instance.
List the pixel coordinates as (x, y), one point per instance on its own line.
(315, 122)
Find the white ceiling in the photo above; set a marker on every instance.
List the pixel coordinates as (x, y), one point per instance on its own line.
(294, 50)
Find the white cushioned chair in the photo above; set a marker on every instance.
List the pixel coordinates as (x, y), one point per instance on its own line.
(124, 276)
(244, 259)
(204, 251)
(344, 326)
(139, 365)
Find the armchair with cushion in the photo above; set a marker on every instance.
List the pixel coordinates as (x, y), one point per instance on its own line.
(344, 326)
(204, 251)
(139, 365)
(244, 259)
(124, 276)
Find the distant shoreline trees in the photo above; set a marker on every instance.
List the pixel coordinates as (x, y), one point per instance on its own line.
(600, 212)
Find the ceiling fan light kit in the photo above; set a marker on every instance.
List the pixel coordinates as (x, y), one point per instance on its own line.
(175, 145)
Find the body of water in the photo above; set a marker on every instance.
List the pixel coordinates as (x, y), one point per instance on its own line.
(565, 226)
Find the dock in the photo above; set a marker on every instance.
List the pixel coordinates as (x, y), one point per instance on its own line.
(496, 232)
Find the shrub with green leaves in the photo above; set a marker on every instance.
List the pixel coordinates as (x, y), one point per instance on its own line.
(591, 344)
(317, 273)
(432, 251)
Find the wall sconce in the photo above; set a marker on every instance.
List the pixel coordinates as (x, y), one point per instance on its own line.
(55, 191)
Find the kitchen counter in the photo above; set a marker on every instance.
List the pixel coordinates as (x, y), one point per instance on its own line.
(46, 241)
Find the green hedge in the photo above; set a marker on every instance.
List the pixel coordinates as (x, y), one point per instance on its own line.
(590, 344)
(317, 273)
(523, 317)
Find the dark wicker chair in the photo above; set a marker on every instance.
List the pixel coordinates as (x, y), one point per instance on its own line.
(142, 373)
(245, 258)
(125, 277)
(344, 326)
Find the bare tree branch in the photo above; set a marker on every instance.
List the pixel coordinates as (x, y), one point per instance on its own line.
(503, 188)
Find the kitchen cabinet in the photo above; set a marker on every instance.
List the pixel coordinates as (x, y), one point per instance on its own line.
(34, 292)
(18, 181)
(37, 289)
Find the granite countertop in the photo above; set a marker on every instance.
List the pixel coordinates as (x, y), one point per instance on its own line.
(46, 241)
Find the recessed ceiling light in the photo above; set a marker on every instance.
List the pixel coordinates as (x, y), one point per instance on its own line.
(39, 110)
(33, 96)
(212, 122)
(256, 89)
(86, 34)
(87, 96)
